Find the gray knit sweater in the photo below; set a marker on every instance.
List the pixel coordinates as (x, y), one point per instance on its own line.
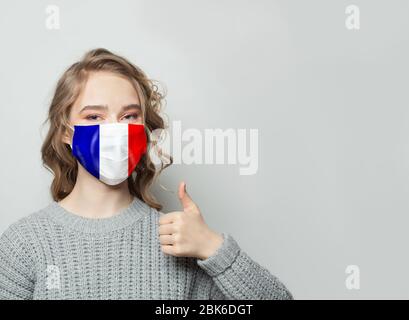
(56, 254)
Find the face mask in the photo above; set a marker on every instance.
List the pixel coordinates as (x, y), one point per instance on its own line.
(111, 151)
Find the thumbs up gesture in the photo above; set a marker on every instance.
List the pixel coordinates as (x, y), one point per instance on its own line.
(185, 233)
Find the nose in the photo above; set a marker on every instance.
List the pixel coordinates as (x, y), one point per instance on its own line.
(112, 118)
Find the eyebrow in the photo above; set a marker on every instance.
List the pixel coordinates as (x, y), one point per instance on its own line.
(105, 107)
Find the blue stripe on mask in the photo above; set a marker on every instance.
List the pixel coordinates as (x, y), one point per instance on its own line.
(85, 147)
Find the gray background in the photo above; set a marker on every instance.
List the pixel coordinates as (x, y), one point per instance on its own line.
(330, 105)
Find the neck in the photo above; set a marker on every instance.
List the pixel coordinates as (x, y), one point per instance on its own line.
(94, 199)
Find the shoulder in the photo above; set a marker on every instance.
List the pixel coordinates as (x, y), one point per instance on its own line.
(22, 230)
(18, 245)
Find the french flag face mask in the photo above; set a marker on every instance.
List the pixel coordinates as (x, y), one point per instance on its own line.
(109, 151)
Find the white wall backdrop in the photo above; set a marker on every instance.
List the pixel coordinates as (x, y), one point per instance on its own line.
(330, 105)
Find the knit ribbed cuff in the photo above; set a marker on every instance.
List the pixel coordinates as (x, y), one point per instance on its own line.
(222, 258)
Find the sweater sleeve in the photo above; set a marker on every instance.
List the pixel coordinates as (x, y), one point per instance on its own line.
(236, 276)
(16, 276)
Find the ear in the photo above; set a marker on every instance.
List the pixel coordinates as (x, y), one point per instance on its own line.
(67, 135)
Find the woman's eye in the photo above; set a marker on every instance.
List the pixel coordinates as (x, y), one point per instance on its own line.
(131, 116)
(93, 117)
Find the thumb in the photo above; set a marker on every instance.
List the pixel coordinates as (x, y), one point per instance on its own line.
(185, 199)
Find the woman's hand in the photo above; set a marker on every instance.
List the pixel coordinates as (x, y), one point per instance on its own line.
(185, 233)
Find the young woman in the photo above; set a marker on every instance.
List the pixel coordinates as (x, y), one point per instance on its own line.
(103, 236)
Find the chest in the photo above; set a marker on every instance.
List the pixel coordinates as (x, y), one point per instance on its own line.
(122, 265)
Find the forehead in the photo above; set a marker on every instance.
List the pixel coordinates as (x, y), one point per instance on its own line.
(107, 88)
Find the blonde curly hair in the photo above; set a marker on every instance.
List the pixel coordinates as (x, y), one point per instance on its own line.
(57, 156)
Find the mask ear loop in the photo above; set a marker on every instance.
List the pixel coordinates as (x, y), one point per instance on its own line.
(72, 135)
(153, 144)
